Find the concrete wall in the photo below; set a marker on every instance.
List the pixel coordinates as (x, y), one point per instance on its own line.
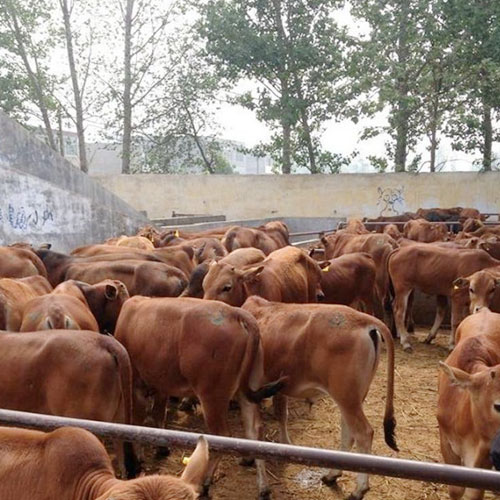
(44, 198)
(343, 195)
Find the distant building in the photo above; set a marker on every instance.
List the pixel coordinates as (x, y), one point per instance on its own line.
(105, 158)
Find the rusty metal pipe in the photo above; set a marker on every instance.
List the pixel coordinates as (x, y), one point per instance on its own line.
(317, 457)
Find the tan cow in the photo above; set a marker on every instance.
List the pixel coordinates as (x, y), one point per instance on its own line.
(15, 294)
(20, 263)
(432, 270)
(469, 398)
(135, 242)
(186, 347)
(243, 237)
(349, 280)
(328, 349)
(278, 231)
(76, 466)
(355, 226)
(59, 373)
(425, 232)
(286, 275)
(238, 259)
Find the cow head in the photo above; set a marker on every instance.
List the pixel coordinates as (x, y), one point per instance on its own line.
(484, 390)
(163, 487)
(105, 300)
(482, 286)
(226, 283)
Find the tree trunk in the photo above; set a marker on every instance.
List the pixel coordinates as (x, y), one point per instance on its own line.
(307, 132)
(127, 90)
(487, 130)
(32, 77)
(401, 113)
(286, 168)
(80, 130)
(61, 137)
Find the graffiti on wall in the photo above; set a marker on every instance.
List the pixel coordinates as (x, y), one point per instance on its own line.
(391, 200)
(23, 219)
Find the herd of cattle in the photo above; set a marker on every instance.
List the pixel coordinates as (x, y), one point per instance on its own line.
(232, 314)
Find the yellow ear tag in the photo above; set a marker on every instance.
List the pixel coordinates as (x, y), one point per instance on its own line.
(326, 269)
(176, 234)
(186, 460)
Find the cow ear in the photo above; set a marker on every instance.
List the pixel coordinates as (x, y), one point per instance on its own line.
(111, 292)
(324, 240)
(197, 467)
(457, 377)
(252, 273)
(461, 283)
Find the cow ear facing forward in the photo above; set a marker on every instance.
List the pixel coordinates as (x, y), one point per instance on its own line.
(461, 283)
(111, 292)
(197, 467)
(457, 377)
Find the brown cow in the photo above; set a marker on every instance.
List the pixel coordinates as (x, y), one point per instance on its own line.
(379, 228)
(20, 263)
(77, 306)
(379, 246)
(432, 270)
(278, 231)
(327, 349)
(238, 258)
(393, 231)
(76, 467)
(349, 280)
(469, 397)
(180, 256)
(243, 237)
(424, 231)
(286, 275)
(15, 294)
(355, 226)
(59, 373)
(186, 347)
(140, 278)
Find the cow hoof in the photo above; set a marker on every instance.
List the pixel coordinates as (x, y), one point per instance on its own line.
(265, 494)
(330, 480)
(187, 405)
(428, 340)
(408, 348)
(247, 462)
(204, 494)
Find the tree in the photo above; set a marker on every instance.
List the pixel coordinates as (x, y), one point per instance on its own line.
(136, 28)
(26, 43)
(78, 91)
(392, 61)
(293, 50)
(475, 26)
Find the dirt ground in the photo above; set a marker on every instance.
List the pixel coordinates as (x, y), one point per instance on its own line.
(416, 434)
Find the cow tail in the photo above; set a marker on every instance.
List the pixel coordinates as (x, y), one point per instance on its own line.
(253, 364)
(389, 419)
(228, 240)
(122, 360)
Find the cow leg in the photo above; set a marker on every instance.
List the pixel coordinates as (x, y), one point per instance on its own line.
(280, 405)
(410, 322)
(441, 305)
(449, 457)
(252, 423)
(158, 414)
(400, 306)
(479, 460)
(455, 321)
(346, 442)
(215, 412)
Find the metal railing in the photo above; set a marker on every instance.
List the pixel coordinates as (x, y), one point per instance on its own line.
(317, 457)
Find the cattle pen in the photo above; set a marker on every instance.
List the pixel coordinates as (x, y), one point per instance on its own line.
(316, 457)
